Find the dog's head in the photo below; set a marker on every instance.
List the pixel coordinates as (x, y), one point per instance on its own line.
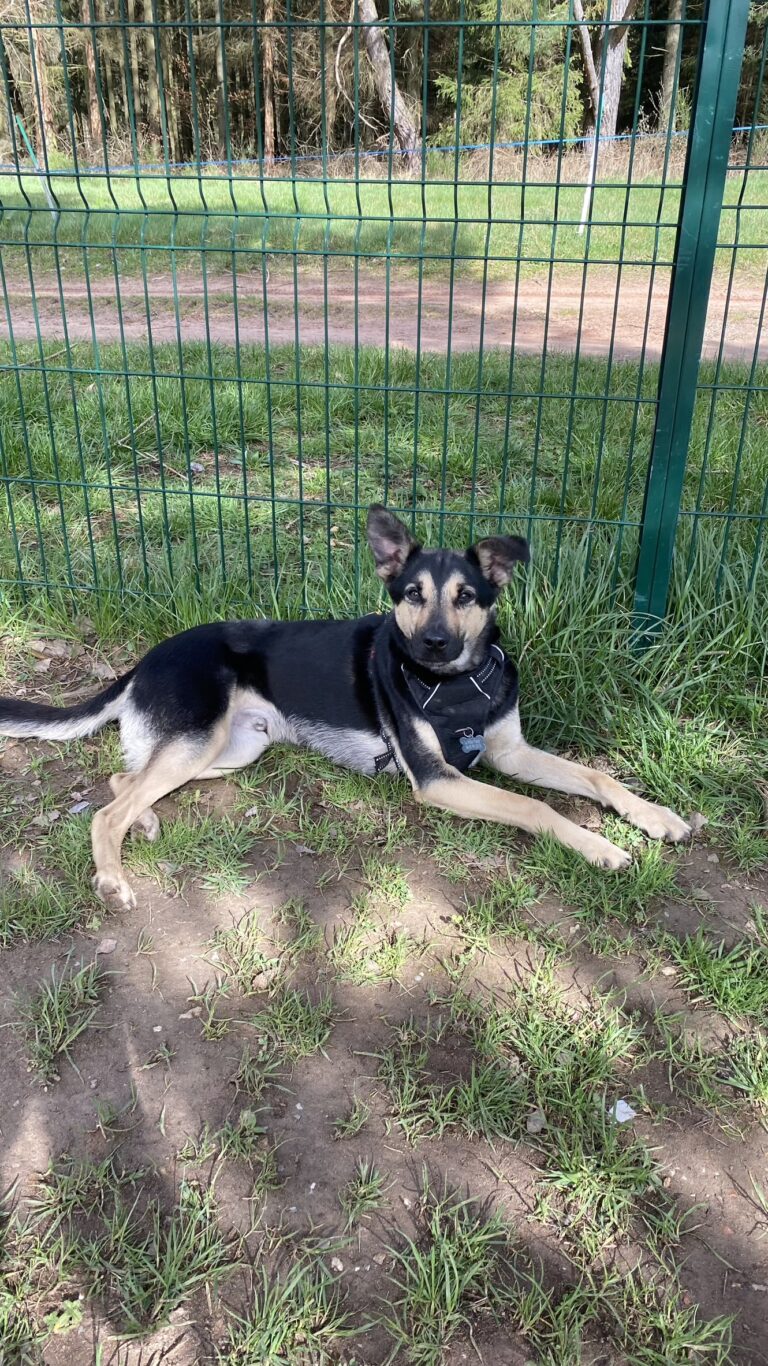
(445, 601)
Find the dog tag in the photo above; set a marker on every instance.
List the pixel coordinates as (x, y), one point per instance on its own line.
(472, 744)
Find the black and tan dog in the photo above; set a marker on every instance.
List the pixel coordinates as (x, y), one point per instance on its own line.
(425, 690)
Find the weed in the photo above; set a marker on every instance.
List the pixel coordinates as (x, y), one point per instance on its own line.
(734, 981)
(58, 1014)
(293, 1318)
(350, 1124)
(295, 1024)
(364, 1193)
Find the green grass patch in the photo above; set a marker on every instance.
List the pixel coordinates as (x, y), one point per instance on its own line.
(734, 981)
(375, 217)
(139, 1260)
(295, 1316)
(57, 1014)
(295, 1024)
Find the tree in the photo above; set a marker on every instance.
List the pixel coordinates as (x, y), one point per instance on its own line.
(268, 80)
(42, 63)
(394, 105)
(604, 62)
(669, 72)
(94, 122)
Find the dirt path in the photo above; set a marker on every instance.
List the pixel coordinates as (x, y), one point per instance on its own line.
(629, 309)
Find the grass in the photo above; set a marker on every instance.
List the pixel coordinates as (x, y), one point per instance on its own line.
(733, 981)
(364, 1193)
(457, 1268)
(295, 1024)
(365, 951)
(347, 1126)
(139, 1260)
(376, 218)
(294, 1317)
(55, 1017)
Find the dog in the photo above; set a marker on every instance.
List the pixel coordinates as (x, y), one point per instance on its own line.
(424, 690)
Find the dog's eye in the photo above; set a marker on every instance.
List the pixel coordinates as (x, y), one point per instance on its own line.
(412, 594)
(466, 596)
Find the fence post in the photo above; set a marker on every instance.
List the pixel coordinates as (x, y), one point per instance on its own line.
(709, 145)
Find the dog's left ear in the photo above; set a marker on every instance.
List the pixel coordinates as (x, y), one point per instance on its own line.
(391, 542)
(498, 555)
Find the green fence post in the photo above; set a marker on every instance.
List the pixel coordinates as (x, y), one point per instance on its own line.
(709, 142)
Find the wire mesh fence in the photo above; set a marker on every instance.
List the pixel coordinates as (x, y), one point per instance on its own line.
(263, 263)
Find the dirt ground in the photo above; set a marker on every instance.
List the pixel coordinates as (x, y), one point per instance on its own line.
(596, 310)
(147, 1008)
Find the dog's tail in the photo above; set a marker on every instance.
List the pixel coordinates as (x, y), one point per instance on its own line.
(33, 719)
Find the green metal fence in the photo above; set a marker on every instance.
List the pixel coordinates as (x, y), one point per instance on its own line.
(263, 263)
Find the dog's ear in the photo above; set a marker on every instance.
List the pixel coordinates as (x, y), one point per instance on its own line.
(498, 555)
(391, 542)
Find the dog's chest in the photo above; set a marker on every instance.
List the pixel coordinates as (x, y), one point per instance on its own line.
(351, 748)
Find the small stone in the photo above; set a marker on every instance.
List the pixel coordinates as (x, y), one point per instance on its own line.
(713, 858)
(192, 1014)
(536, 1122)
(299, 1106)
(380, 1258)
(406, 1201)
(337, 1264)
(157, 1029)
(669, 971)
(78, 808)
(106, 946)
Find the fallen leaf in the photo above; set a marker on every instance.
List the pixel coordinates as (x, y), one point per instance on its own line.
(101, 669)
(46, 819)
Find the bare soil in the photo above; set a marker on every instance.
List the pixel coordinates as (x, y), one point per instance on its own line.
(597, 311)
(146, 1007)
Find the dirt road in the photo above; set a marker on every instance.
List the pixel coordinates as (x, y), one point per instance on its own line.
(630, 309)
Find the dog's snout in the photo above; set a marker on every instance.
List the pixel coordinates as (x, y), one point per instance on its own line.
(435, 641)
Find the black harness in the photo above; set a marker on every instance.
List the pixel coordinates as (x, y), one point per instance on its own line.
(458, 710)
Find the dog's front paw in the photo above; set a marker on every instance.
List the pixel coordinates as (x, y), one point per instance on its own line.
(659, 823)
(603, 854)
(114, 891)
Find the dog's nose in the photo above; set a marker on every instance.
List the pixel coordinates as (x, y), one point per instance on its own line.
(435, 642)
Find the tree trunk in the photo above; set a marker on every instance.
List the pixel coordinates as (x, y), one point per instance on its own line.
(405, 124)
(94, 122)
(221, 93)
(669, 73)
(171, 99)
(608, 64)
(153, 89)
(135, 86)
(44, 118)
(268, 80)
(124, 90)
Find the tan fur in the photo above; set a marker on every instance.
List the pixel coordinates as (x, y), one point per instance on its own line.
(413, 617)
(470, 621)
(508, 752)
(471, 799)
(173, 766)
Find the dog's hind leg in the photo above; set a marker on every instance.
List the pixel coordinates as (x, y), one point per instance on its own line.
(509, 754)
(178, 762)
(146, 824)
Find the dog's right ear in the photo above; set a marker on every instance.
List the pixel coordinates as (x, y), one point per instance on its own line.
(391, 542)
